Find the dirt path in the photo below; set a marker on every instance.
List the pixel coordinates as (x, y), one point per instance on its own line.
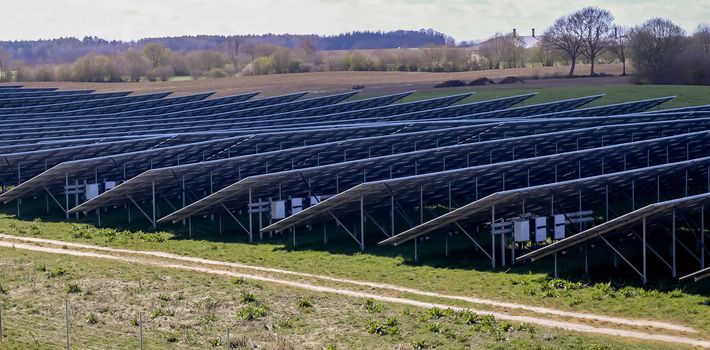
(474, 300)
(323, 289)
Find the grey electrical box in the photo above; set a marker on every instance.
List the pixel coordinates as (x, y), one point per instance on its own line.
(278, 210)
(521, 230)
(540, 228)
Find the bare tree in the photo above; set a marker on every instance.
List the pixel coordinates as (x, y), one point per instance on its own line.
(156, 54)
(654, 45)
(5, 66)
(620, 46)
(231, 47)
(701, 37)
(596, 28)
(565, 37)
(136, 65)
(492, 51)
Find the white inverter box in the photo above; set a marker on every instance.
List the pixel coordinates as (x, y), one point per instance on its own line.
(521, 230)
(278, 210)
(91, 191)
(540, 228)
(109, 185)
(559, 226)
(296, 205)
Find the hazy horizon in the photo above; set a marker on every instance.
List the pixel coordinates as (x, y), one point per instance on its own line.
(131, 20)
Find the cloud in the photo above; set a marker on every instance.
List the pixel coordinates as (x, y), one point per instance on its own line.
(463, 19)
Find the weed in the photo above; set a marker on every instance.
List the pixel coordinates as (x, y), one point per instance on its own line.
(285, 323)
(371, 306)
(3, 289)
(208, 318)
(305, 303)
(676, 293)
(208, 303)
(388, 327)
(247, 297)
(420, 344)
(527, 327)
(72, 288)
(435, 312)
(239, 280)
(252, 312)
(56, 272)
(134, 321)
(159, 312)
(91, 319)
(165, 297)
(171, 338)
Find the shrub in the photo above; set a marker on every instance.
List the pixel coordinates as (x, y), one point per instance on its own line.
(252, 312)
(159, 312)
(305, 303)
(171, 338)
(676, 293)
(73, 288)
(420, 344)
(247, 297)
(371, 306)
(388, 327)
(91, 319)
(56, 272)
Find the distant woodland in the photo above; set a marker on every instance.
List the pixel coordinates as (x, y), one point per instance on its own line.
(660, 52)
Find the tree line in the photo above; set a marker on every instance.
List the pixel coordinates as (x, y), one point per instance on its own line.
(658, 50)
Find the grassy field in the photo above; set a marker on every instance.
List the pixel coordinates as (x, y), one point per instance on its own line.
(462, 273)
(191, 310)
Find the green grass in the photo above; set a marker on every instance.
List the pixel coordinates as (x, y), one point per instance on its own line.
(461, 273)
(105, 313)
(686, 95)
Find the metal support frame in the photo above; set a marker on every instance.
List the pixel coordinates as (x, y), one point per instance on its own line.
(618, 254)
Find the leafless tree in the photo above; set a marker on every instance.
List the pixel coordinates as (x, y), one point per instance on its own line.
(620, 46)
(566, 38)
(596, 27)
(5, 66)
(701, 37)
(156, 54)
(655, 44)
(231, 47)
(492, 51)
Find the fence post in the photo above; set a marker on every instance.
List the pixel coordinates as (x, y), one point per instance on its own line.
(140, 325)
(1, 334)
(226, 344)
(66, 321)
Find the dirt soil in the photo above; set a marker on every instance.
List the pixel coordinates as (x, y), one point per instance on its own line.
(375, 83)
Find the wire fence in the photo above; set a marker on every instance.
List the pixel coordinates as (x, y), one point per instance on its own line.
(62, 329)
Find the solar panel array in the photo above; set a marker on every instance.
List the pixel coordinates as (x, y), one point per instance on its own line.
(516, 181)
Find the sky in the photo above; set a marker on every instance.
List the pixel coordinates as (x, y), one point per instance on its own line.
(463, 19)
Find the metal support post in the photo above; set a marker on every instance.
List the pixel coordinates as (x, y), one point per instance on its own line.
(153, 222)
(493, 237)
(250, 223)
(644, 277)
(673, 258)
(362, 223)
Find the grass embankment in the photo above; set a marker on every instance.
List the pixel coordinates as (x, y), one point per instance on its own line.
(186, 309)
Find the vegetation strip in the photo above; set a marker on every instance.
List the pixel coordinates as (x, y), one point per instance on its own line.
(533, 320)
(507, 305)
